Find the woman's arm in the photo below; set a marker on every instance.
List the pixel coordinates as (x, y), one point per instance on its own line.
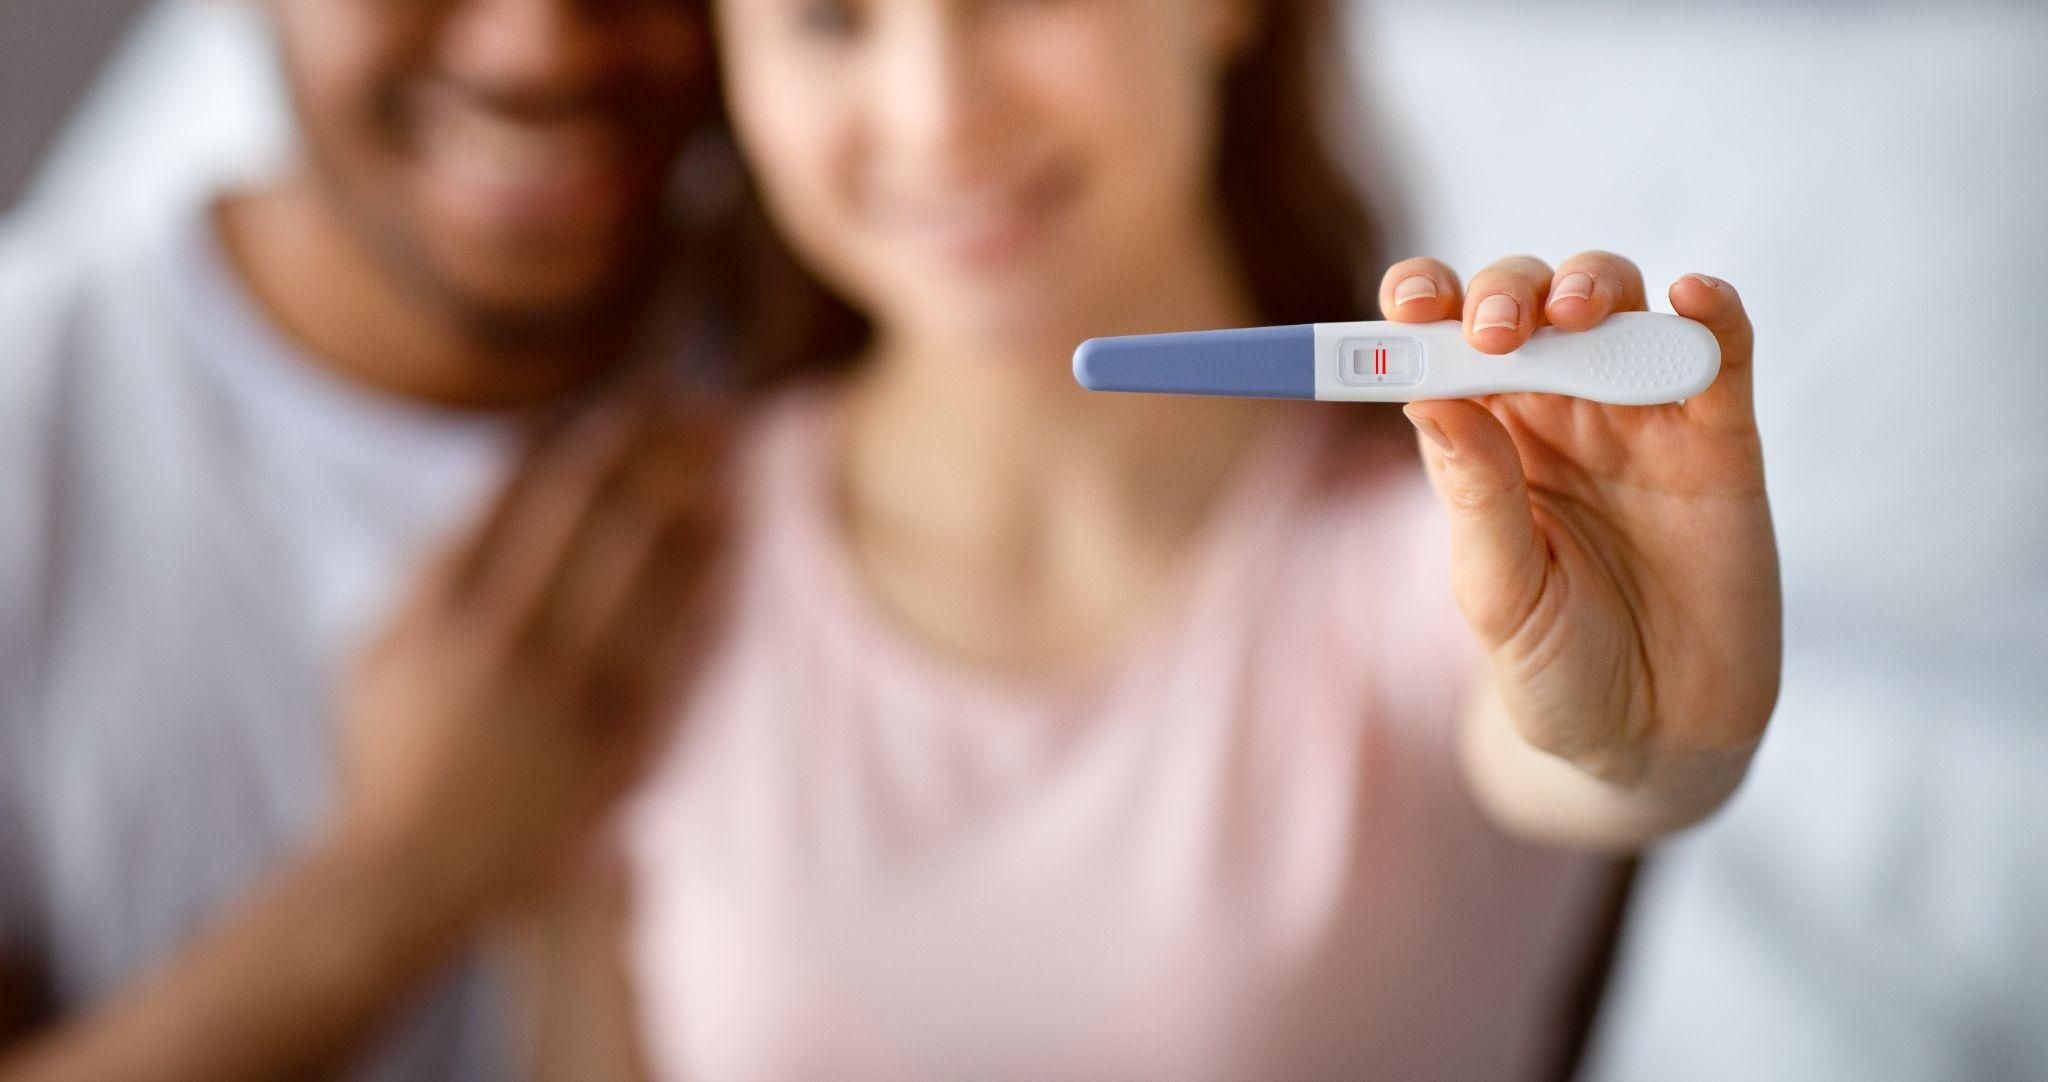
(1616, 563)
(1541, 796)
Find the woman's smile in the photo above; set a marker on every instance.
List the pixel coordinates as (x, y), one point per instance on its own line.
(983, 227)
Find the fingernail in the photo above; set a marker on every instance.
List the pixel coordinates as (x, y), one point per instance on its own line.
(1431, 430)
(1499, 311)
(1710, 283)
(1574, 287)
(1415, 287)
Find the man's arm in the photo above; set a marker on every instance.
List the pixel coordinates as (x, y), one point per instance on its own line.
(577, 992)
(485, 735)
(284, 988)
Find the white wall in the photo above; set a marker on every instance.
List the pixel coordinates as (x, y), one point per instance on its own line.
(49, 52)
(189, 99)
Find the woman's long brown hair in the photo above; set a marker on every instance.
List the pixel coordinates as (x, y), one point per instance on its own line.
(1307, 246)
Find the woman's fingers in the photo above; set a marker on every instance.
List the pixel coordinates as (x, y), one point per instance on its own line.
(1507, 301)
(1591, 286)
(1728, 404)
(1504, 304)
(1498, 560)
(1420, 291)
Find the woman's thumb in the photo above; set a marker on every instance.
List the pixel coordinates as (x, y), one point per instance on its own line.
(1497, 559)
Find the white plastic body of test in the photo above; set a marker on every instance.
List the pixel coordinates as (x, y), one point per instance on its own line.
(1630, 359)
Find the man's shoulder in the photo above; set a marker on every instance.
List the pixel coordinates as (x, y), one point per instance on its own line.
(53, 274)
(72, 302)
(74, 305)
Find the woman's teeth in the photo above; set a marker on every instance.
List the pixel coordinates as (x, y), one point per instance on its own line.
(963, 217)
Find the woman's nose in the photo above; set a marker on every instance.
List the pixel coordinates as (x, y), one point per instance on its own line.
(935, 90)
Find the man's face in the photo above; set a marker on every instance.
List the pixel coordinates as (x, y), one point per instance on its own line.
(508, 156)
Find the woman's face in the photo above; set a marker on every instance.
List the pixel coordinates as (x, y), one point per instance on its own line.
(982, 166)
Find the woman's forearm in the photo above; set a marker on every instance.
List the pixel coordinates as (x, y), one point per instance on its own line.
(1541, 796)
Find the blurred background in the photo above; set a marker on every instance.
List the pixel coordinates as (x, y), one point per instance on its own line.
(47, 58)
(1874, 177)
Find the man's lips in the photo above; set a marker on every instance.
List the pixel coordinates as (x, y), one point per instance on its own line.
(551, 175)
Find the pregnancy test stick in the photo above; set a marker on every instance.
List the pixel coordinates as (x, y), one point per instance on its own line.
(1630, 359)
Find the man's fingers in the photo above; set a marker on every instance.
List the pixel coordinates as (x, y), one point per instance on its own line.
(688, 544)
(1729, 403)
(609, 568)
(1591, 286)
(1420, 291)
(1498, 561)
(481, 546)
(654, 533)
(644, 656)
(568, 488)
(1504, 304)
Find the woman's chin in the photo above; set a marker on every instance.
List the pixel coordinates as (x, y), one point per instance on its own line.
(1002, 321)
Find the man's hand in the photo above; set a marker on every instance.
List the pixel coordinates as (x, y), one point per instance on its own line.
(517, 693)
(486, 734)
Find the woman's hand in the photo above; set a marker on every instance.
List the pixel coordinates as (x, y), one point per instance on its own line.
(1617, 563)
(519, 689)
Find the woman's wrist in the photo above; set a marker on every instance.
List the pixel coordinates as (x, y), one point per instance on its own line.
(1620, 801)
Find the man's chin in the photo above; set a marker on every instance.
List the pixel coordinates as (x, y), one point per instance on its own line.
(508, 298)
(512, 318)
(522, 287)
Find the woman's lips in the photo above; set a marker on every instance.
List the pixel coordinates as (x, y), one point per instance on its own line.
(984, 225)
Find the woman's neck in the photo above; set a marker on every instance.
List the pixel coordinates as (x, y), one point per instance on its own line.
(978, 479)
(1000, 412)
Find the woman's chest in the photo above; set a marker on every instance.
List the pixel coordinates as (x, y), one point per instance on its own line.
(1195, 873)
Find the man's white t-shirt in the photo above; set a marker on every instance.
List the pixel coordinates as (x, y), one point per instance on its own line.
(198, 528)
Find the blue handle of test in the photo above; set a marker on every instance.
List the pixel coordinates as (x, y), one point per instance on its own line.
(1254, 362)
